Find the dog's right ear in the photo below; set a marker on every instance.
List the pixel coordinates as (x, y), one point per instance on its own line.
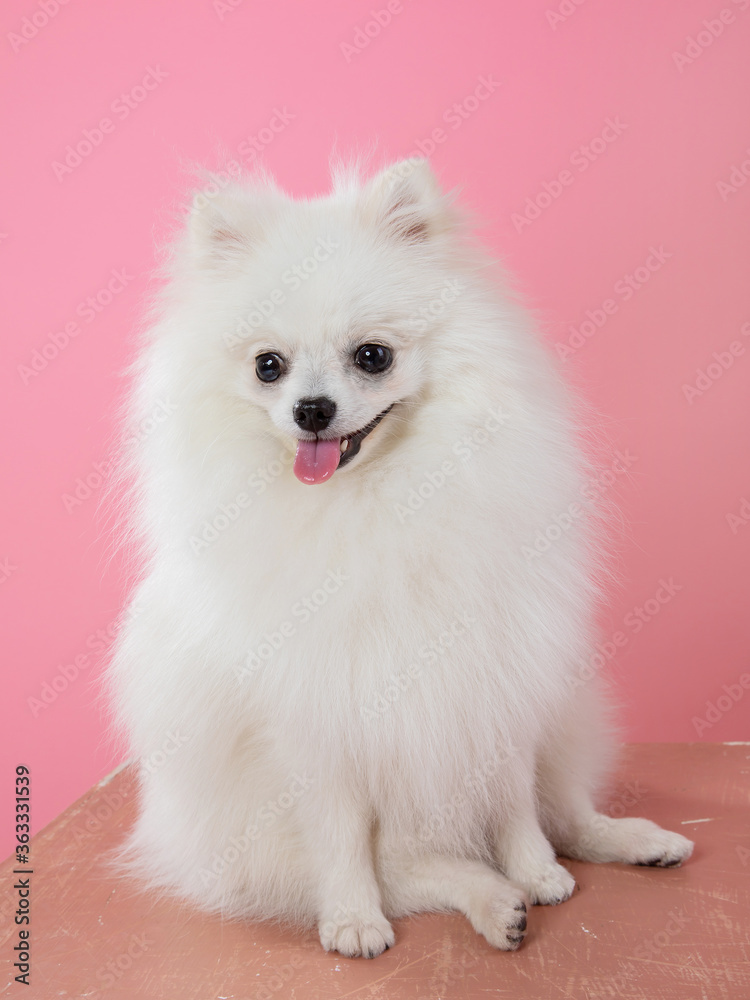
(408, 202)
(218, 233)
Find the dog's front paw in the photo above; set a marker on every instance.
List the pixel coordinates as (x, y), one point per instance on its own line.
(353, 935)
(550, 885)
(502, 920)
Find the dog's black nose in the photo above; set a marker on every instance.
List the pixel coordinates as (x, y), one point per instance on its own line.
(314, 414)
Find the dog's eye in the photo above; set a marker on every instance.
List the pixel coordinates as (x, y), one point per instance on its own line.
(373, 358)
(268, 367)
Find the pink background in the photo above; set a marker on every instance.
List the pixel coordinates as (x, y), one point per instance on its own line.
(223, 73)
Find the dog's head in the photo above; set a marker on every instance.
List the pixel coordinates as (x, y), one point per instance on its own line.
(328, 306)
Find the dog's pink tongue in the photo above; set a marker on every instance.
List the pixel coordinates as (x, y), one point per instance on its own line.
(317, 461)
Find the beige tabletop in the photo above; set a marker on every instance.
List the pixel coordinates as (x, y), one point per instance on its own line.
(645, 933)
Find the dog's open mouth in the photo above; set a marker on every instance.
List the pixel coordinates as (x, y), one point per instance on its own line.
(317, 460)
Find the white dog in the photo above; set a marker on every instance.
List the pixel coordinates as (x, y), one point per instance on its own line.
(372, 697)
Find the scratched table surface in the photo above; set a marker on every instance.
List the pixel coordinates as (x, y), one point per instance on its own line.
(643, 933)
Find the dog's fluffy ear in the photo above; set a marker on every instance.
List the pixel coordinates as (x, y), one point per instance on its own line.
(407, 201)
(227, 225)
(217, 230)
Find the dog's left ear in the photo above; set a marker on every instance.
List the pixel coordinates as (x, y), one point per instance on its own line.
(408, 203)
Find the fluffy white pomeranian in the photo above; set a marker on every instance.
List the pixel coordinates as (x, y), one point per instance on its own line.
(357, 671)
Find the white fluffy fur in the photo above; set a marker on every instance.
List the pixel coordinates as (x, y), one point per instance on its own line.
(391, 791)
